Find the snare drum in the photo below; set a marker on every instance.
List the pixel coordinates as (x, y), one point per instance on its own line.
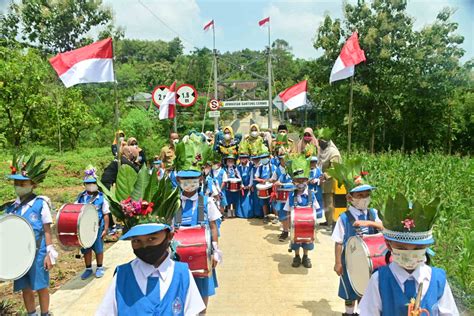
(233, 184)
(302, 225)
(77, 225)
(264, 190)
(195, 248)
(283, 192)
(364, 254)
(17, 247)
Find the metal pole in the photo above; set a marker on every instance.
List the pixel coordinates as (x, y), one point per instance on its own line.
(349, 128)
(270, 99)
(116, 106)
(175, 119)
(216, 120)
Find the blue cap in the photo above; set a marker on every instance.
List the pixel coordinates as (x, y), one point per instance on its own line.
(363, 187)
(18, 177)
(288, 186)
(313, 159)
(156, 161)
(90, 180)
(427, 241)
(188, 174)
(244, 155)
(264, 155)
(145, 229)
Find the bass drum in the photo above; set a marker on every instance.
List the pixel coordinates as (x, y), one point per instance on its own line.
(17, 247)
(195, 248)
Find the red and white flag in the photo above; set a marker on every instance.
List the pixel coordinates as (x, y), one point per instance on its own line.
(294, 96)
(168, 105)
(351, 55)
(208, 25)
(264, 21)
(91, 63)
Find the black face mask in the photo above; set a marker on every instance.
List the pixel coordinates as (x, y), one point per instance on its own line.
(152, 254)
(323, 144)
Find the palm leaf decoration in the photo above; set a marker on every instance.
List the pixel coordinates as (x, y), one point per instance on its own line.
(192, 153)
(297, 166)
(29, 168)
(349, 174)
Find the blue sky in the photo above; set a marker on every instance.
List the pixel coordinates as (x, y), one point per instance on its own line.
(296, 21)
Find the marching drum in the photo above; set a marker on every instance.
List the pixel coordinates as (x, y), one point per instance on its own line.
(264, 190)
(17, 247)
(233, 184)
(302, 225)
(77, 225)
(364, 254)
(283, 192)
(195, 248)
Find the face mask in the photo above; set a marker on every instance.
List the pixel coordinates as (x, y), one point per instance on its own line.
(189, 185)
(254, 134)
(92, 187)
(175, 141)
(409, 259)
(136, 146)
(157, 166)
(361, 204)
(152, 254)
(215, 167)
(230, 165)
(264, 161)
(301, 186)
(323, 144)
(121, 139)
(307, 138)
(226, 136)
(282, 132)
(23, 191)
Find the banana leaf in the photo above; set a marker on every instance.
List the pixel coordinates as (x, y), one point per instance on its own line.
(141, 184)
(125, 182)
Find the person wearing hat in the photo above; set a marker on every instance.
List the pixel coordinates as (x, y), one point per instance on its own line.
(315, 182)
(26, 176)
(91, 195)
(282, 140)
(230, 172)
(264, 174)
(298, 167)
(152, 283)
(244, 208)
(228, 144)
(118, 143)
(217, 173)
(157, 167)
(393, 289)
(257, 206)
(281, 177)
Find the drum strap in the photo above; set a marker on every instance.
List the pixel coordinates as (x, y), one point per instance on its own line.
(352, 219)
(179, 214)
(310, 198)
(28, 199)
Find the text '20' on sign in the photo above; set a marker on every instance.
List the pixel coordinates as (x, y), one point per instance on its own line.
(186, 95)
(159, 95)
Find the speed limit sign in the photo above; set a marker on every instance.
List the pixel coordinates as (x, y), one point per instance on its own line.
(186, 95)
(214, 105)
(159, 95)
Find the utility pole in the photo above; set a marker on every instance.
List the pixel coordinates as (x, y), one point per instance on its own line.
(216, 119)
(270, 98)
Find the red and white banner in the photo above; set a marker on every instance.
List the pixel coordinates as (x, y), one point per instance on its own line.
(295, 96)
(168, 105)
(351, 55)
(208, 25)
(264, 21)
(91, 63)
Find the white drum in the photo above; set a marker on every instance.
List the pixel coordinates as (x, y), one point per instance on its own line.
(17, 247)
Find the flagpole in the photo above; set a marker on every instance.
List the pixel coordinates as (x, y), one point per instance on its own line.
(349, 128)
(270, 101)
(175, 119)
(216, 119)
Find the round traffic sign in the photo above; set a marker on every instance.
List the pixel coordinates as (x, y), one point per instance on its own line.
(186, 95)
(159, 94)
(214, 105)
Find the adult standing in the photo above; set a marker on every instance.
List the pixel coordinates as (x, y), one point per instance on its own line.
(141, 158)
(167, 153)
(308, 139)
(328, 155)
(119, 141)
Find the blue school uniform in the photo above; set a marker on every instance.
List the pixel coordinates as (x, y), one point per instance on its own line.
(395, 301)
(37, 277)
(218, 180)
(232, 197)
(275, 162)
(315, 174)
(190, 217)
(305, 201)
(131, 300)
(256, 201)
(282, 177)
(345, 289)
(265, 172)
(174, 180)
(244, 208)
(98, 202)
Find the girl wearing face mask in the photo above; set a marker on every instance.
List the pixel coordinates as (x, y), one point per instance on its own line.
(391, 288)
(91, 195)
(141, 158)
(245, 208)
(254, 142)
(264, 174)
(232, 198)
(358, 219)
(227, 144)
(217, 173)
(308, 138)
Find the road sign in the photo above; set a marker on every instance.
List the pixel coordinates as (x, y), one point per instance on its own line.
(253, 104)
(214, 105)
(214, 114)
(186, 95)
(159, 95)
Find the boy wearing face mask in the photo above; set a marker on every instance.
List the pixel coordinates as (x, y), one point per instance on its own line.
(392, 287)
(256, 201)
(231, 172)
(315, 182)
(244, 208)
(280, 176)
(217, 173)
(358, 217)
(91, 195)
(37, 211)
(264, 174)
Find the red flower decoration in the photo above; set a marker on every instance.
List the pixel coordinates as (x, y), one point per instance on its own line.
(13, 169)
(364, 173)
(408, 223)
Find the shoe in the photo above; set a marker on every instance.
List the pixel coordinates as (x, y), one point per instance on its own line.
(307, 262)
(99, 272)
(265, 220)
(283, 236)
(275, 221)
(296, 262)
(87, 273)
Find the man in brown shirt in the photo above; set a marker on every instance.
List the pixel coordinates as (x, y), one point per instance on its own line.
(167, 153)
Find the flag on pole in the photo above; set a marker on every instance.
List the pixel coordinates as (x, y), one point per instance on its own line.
(351, 55)
(208, 25)
(294, 96)
(168, 105)
(264, 21)
(91, 63)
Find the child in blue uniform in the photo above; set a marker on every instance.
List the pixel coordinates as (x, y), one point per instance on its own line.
(157, 167)
(37, 211)
(92, 196)
(218, 174)
(393, 287)
(244, 208)
(314, 182)
(232, 198)
(281, 178)
(257, 205)
(264, 174)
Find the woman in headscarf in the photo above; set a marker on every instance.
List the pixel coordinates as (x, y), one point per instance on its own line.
(141, 159)
(308, 139)
(228, 144)
(119, 141)
(254, 141)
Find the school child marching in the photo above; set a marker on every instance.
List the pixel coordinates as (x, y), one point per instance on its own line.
(245, 206)
(231, 185)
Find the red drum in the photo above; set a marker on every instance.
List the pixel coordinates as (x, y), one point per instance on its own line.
(77, 225)
(233, 185)
(264, 190)
(283, 192)
(364, 254)
(195, 248)
(302, 225)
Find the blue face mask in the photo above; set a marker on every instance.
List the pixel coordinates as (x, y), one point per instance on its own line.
(264, 161)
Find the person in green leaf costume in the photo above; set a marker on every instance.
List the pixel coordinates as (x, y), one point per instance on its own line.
(408, 285)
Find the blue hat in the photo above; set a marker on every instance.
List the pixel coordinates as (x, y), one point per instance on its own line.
(363, 187)
(90, 180)
(188, 174)
(89, 175)
(264, 155)
(157, 162)
(425, 239)
(144, 229)
(313, 159)
(18, 177)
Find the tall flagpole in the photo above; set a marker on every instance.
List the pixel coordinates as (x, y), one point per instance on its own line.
(349, 127)
(270, 99)
(216, 119)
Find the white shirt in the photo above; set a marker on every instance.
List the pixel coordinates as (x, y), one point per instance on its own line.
(287, 207)
(212, 211)
(105, 204)
(338, 232)
(45, 212)
(226, 178)
(371, 303)
(142, 270)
